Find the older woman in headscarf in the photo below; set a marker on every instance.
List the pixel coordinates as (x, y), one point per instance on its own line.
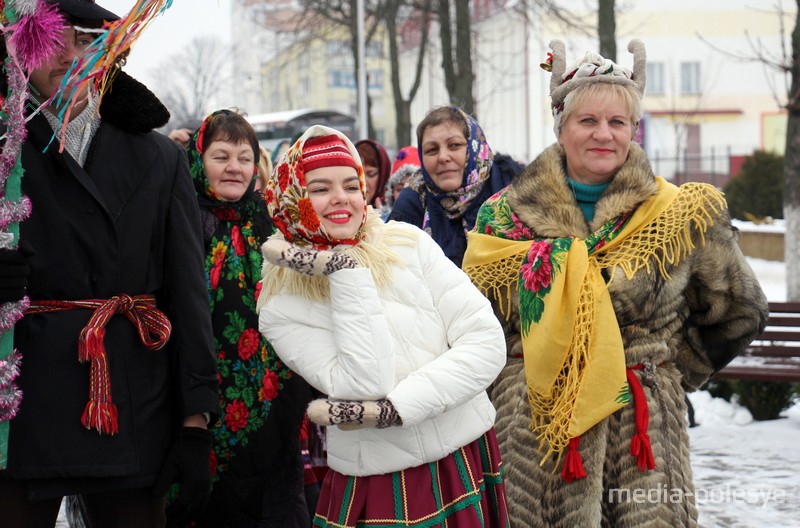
(257, 467)
(458, 174)
(618, 291)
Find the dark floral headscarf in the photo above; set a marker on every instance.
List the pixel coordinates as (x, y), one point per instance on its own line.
(247, 204)
(455, 204)
(461, 204)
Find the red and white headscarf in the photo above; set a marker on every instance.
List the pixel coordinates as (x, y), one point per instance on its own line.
(286, 193)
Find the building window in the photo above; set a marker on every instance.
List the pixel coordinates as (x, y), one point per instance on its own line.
(690, 78)
(341, 79)
(655, 78)
(337, 48)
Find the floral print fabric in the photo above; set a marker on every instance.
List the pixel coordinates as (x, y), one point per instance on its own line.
(288, 200)
(251, 375)
(476, 173)
(544, 259)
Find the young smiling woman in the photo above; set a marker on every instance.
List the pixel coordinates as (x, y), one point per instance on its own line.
(409, 433)
(337, 199)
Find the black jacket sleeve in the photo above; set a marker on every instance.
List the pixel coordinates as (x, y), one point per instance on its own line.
(408, 208)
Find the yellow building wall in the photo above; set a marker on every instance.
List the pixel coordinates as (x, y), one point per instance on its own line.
(773, 137)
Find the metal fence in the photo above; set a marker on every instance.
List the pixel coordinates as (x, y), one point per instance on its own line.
(714, 166)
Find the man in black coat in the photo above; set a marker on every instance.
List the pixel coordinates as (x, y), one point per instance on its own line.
(115, 407)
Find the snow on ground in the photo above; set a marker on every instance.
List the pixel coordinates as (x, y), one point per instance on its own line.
(746, 473)
(772, 276)
(777, 225)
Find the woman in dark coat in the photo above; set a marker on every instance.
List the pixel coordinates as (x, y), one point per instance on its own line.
(459, 173)
(256, 464)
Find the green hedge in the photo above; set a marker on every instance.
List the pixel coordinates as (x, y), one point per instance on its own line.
(765, 400)
(757, 191)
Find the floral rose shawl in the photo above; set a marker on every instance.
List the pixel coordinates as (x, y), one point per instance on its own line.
(252, 377)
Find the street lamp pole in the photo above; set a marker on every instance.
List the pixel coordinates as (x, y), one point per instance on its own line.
(362, 72)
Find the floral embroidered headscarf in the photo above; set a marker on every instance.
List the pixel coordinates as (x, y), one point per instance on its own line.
(448, 216)
(288, 200)
(476, 172)
(197, 169)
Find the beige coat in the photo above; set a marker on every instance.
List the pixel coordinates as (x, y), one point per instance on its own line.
(705, 315)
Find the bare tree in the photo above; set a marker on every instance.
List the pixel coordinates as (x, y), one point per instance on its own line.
(419, 19)
(791, 172)
(194, 80)
(607, 29)
(457, 62)
(393, 16)
(344, 13)
(787, 62)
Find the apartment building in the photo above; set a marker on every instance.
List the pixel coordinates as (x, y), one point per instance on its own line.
(705, 106)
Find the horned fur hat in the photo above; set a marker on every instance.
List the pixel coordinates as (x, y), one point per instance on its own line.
(590, 69)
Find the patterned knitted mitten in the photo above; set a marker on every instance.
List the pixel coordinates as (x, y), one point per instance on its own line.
(354, 414)
(305, 260)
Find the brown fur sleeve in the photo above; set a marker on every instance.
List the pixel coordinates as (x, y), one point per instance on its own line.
(727, 308)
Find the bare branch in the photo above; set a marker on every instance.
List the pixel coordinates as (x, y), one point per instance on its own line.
(758, 53)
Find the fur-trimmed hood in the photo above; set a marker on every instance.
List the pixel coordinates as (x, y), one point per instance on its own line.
(542, 199)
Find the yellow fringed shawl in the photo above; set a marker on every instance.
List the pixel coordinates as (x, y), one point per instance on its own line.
(574, 355)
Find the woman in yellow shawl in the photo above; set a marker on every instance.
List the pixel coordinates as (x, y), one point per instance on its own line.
(618, 292)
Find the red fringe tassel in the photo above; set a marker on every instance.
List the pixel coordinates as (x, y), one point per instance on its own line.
(573, 463)
(640, 443)
(90, 343)
(152, 326)
(102, 417)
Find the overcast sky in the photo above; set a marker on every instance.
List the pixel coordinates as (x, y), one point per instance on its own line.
(172, 30)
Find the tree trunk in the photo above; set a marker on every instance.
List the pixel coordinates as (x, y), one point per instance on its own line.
(466, 78)
(402, 105)
(446, 36)
(354, 47)
(457, 62)
(791, 170)
(607, 29)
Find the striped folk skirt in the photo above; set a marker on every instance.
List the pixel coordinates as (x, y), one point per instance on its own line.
(462, 490)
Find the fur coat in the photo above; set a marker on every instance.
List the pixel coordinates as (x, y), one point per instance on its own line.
(684, 328)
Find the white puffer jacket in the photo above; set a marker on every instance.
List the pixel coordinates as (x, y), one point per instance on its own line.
(429, 342)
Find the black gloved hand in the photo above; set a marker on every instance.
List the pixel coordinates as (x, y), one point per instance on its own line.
(14, 271)
(187, 465)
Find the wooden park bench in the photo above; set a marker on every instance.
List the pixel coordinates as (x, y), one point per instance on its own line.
(775, 354)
